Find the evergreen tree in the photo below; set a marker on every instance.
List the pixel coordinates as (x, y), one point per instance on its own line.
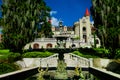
(106, 15)
(20, 22)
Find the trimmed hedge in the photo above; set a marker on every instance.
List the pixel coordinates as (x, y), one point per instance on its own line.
(7, 67)
(36, 54)
(9, 57)
(84, 55)
(14, 57)
(100, 52)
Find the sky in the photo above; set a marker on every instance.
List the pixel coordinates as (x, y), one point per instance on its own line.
(69, 11)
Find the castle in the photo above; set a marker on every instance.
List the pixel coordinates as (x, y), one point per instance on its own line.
(80, 35)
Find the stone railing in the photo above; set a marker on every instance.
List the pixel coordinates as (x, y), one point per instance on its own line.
(50, 61)
(80, 61)
(45, 39)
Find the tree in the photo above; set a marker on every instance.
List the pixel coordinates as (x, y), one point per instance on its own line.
(106, 15)
(20, 20)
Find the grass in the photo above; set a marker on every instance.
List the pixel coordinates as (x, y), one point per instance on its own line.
(85, 55)
(35, 54)
(8, 57)
(4, 55)
(4, 52)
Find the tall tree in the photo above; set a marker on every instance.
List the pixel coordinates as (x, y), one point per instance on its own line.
(106, 15)
(20, 20)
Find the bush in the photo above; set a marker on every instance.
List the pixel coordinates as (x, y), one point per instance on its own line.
(5, 68)
(84, 55)
(36, 54)
(102, 52)
(117, 56)
(1, 46)
(14, 57)
(4, 51)
(87, 51)
(77, 53)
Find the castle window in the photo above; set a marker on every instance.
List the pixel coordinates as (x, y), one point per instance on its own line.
(36, 46)
(84, 28)
(97, 41)
(49, 45)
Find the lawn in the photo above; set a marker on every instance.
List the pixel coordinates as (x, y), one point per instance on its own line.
(4, 52)
(4, 55)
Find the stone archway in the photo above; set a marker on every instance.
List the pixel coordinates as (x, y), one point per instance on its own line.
(85, 37)
(36, 46)
(73, 45)
(49, 45)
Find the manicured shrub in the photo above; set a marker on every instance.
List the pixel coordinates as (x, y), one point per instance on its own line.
(4, 52)
(102, 52)
(14, 57)
(5, 68)
(36, 54)
(84, 55)
(77, 53)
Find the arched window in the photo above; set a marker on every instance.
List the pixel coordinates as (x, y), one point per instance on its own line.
(36, 46)
(49, 45)
(97, 41)
(84, 28)
(73, 45)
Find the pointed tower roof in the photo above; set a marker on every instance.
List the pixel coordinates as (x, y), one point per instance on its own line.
(87, 12)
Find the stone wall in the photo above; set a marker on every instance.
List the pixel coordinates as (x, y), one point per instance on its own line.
(107, 64)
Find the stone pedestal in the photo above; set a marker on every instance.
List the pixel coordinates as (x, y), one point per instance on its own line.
(61, 72)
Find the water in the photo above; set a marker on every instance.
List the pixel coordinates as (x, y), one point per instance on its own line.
(50, 75)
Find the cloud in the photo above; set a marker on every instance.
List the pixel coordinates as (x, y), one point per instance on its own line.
(53, 12)
(92, 22)
(54, 21)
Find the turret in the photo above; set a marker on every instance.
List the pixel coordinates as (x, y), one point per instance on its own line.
(87, 12)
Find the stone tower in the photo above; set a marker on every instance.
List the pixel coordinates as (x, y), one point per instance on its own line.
(83, 27)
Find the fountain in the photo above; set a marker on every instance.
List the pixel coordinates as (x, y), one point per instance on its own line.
(61, 72)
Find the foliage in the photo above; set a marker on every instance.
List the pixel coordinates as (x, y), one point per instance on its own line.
(3, 51)
(1, 46)
(106, 18)
(117, 56)
(36, 54)
(20, 22)
(14, 57)
(4, 59)
(93, 52)
(77, 38)
(84, 55)
(4, 55)
(77, 53)
(9, 57)
(102, 52)
(5, 68)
